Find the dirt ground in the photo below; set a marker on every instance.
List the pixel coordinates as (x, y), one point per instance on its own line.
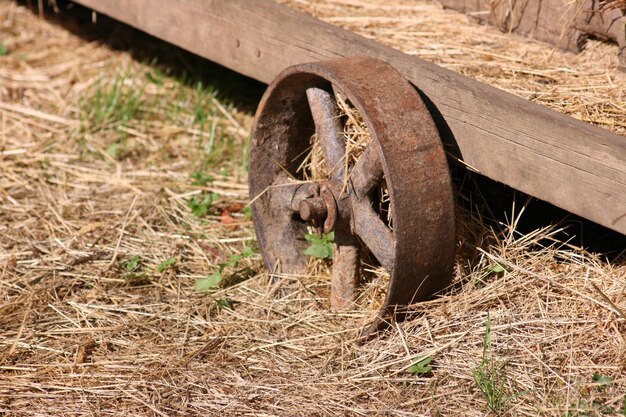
(123, 193)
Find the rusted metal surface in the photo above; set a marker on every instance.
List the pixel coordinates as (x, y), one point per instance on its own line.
(405, 154)
(345, 275)
(563, 23)
(328, 129)
(313, 209)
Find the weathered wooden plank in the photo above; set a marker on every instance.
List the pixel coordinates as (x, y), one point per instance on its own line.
(556, 158)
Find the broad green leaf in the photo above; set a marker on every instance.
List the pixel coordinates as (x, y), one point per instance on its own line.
(200, 205)
(132, 264)
(320, 247)
(208, 283)
(320, 251)
(233, 260)
(165, 264)
(496, 268)
(248, 251)
(420, 366)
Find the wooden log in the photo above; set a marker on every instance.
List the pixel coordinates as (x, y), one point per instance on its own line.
(551, 156)
(563, 23)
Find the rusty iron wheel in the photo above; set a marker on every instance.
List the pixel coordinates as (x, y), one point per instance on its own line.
(405, 152)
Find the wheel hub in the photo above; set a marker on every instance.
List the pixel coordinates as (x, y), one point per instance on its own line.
(321, 210)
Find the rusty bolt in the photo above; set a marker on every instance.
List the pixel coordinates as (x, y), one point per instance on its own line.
(313, 209)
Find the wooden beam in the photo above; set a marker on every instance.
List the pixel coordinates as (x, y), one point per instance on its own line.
(551, 156)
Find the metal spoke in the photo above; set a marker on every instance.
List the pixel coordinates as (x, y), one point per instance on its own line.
(367, 172)
(328, 129)
(374, 233)
(345, 275)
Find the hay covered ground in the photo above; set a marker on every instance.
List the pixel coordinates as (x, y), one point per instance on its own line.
(123, 187)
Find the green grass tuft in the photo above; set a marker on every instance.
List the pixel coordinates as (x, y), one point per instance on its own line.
(114, 102)
(489, 375)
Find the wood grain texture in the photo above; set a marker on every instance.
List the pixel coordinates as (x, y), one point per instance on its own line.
(551, 156)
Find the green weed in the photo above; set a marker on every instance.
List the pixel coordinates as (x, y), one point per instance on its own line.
(496, 268)
(247, 213)
(602, 380)
(224, 303)
(201, 205)
(113, 102)
(576, 410)
(168, 263)
(132, 264)
(3, 49)
(114, 150)
(199, 104)
(203, 105)
(209, 282)
(201, 179)
(493, 269)
(210, 118)
(420, 366)
(489, 375)
(132, 271)
(597, 406)
(217, 278)
(320, 247)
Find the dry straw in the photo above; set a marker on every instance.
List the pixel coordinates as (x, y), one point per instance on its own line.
(613, 4)
(82, 194)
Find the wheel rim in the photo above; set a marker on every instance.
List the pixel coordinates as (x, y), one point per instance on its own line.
(405, 150)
